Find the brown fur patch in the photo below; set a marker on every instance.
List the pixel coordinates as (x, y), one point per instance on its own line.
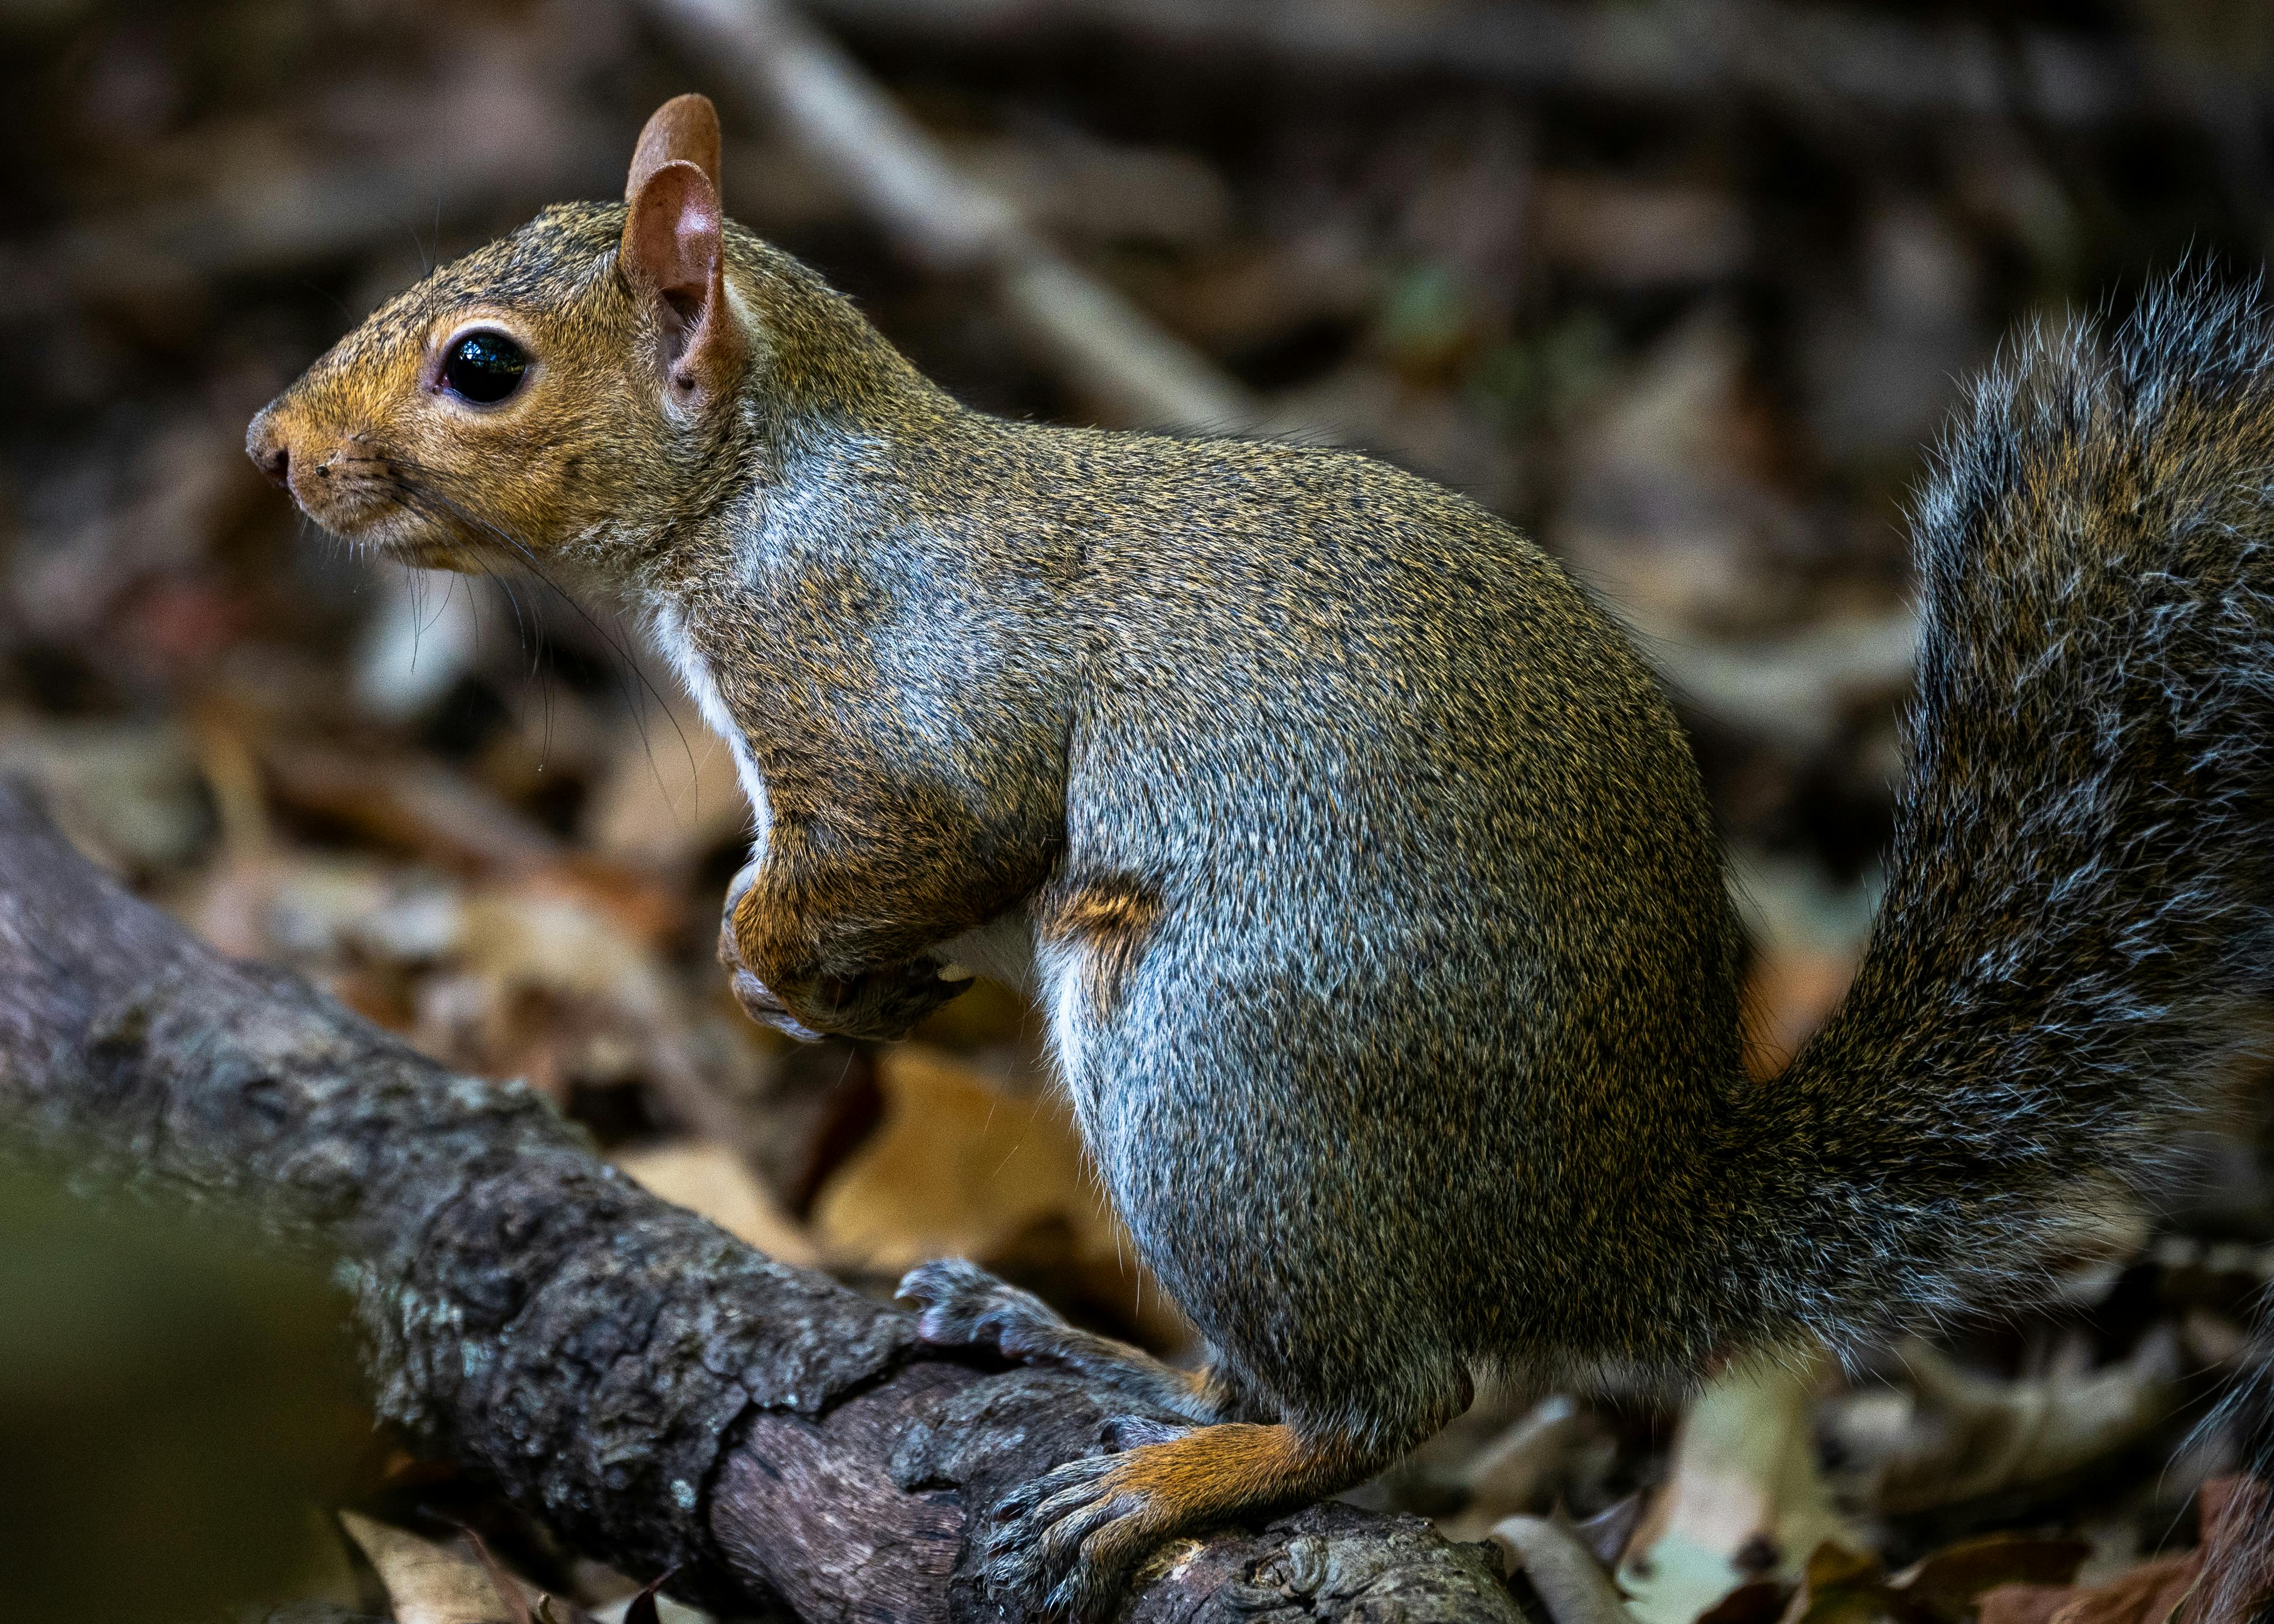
(1109, 922)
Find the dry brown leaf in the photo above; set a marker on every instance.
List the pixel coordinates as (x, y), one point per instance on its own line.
(712, 1180)
(548, 937)
(1761, 1602)
(959, 1168)
(669, 795)
(546, 984)
(430, 1584)
(2148, 1594)
(2168, 1588)
(1962, 1436)
(2023, 1604)
(1744, 1497)
(1843, 1586)
(518, 1606)
(1949, 1581)
(1513, 1474)
(1570, 1581)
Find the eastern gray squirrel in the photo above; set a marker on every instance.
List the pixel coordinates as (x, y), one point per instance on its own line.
(1358, 862)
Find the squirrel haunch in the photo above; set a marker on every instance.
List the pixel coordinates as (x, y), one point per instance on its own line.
(1367, 876)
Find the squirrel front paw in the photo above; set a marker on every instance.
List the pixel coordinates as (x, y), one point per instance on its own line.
(879, 1003)
(882, 1002)
(961, 1305)
(757, 998)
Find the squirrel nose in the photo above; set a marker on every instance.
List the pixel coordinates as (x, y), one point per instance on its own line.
(266, 448)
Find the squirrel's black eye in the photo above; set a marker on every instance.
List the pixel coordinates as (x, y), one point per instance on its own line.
(484, 367)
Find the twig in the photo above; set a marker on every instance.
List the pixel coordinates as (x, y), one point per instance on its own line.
(1796, 690)
(772, 59)
(1812, 59)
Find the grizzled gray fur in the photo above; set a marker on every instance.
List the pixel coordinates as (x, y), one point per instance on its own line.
(1359, 864)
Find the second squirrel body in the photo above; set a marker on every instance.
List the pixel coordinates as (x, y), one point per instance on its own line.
(1367, 878)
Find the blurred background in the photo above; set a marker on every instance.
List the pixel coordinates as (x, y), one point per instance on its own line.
(1683, 289)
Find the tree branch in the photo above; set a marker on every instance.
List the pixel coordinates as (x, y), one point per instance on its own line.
(660, 1392)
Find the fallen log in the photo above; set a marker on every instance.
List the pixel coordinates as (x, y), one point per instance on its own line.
(661, 1393)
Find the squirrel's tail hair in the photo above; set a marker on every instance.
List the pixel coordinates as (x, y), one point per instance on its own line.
(2077, 945)
(2238, 1587)
(2076, 948)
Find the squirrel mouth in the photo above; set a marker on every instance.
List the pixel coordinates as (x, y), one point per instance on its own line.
(428, 548)
(426, 553)
(388, 518)
(401, 534)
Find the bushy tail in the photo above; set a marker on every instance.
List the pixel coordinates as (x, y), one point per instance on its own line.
(2078, 942)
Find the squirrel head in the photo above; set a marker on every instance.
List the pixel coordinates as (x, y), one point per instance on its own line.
(569, 385)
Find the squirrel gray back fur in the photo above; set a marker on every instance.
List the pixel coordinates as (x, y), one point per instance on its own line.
(1377, 906)
(1487, 1016)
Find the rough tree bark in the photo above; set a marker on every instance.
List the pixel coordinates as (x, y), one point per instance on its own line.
(660, 1392)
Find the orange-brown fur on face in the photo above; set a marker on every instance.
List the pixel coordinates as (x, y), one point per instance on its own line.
(590, 466)
(379, 452)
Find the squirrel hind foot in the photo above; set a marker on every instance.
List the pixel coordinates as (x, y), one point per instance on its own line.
(1068, 1543)
(963, 1305)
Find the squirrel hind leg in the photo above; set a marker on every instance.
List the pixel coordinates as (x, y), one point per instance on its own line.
(1067, 1544)
(961, 1304)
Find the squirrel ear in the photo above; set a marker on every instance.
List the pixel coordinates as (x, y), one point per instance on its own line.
(684, 130)
(674, 254)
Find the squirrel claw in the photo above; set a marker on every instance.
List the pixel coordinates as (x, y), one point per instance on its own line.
(760, 1005)
(1067, 1542)
(961, 1306)
(882, 1002)
(757, 998)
